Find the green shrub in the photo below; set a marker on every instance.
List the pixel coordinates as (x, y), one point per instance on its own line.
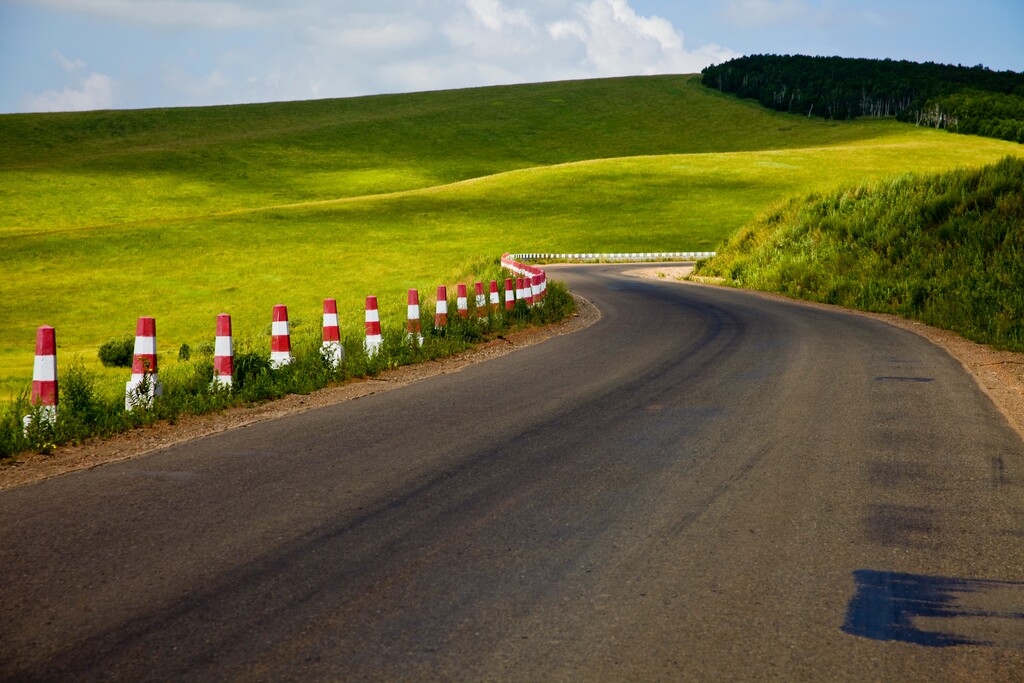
(118, 353)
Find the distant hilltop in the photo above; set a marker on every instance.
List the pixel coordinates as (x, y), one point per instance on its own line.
(972, 100)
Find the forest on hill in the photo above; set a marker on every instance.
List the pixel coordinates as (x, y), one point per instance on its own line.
(973, 100)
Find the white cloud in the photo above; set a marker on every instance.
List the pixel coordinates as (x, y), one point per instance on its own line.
(89, 91)
(260, 50)
(495, 16)
(380, 36)
(69, 65)
(95, 91)
(618, 42)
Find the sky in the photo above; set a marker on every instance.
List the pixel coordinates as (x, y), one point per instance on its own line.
(64, 55)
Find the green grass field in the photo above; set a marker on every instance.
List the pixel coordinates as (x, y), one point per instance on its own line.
(185, 213)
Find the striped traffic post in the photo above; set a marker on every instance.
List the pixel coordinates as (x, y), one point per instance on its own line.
(441, 311)
(373, 337)
(44, 375)
(495, 299)
(462, 302)
(223, 353)
(144, 385)
(481, 300)
(280, 338)
(331, 348)
(510, 294)
(414, 316)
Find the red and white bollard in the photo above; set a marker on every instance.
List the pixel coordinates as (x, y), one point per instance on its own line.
(44, 375)
(414, 316)
(462, 302)
(145, 384)
(280, 338)
(535, 289)
(510, 294)
(373, 337)
(223, 353)
(520, 290)
(481, 301)
(441, 312)
(331, 348)
(495, 298)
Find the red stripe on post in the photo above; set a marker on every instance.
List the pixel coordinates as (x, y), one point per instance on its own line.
(223, 325)
(44, 393)
(46, 341)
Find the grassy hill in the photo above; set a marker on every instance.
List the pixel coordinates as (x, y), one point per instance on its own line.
(185, 213)
(945, 249)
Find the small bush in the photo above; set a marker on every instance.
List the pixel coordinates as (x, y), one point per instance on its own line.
(117, 353)
(249, 368)
(12, 430)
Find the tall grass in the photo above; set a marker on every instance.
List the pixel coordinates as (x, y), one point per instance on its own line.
(946, 249)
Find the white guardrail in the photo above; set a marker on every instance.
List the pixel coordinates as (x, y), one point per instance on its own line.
(617, 257)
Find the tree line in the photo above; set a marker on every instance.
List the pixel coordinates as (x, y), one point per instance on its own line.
(975, 100)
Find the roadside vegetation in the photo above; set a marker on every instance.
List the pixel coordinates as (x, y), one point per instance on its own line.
(946, 249)
(88, 407)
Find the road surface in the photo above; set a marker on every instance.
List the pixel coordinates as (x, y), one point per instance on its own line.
(703, 485)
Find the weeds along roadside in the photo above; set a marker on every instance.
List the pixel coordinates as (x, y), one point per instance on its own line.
(943, 248)
(89, 408)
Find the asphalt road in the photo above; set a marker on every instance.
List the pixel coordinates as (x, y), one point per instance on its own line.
(704, 485)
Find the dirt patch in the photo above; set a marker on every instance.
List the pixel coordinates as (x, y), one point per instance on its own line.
(662, 272)
(32, 467)
(1000, 374)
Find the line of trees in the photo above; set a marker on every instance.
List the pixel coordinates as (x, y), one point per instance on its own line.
(974, 100)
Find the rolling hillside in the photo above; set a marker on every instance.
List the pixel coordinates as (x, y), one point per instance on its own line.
(941, 248)
(185, 213)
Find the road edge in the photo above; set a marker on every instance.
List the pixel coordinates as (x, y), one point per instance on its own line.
(30, 468)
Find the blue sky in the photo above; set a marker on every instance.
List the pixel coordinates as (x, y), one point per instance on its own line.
(93, 54)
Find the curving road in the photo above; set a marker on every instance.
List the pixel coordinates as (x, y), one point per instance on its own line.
(704, 485)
